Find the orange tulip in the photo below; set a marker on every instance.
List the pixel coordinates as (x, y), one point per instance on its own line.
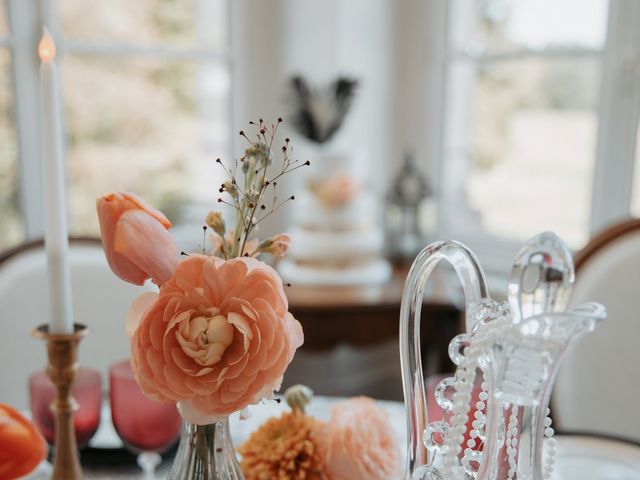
(136, 239)
(22, 447)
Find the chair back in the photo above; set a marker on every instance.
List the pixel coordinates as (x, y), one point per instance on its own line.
(598, 387)
(100, 301)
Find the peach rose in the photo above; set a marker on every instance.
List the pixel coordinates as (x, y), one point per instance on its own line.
(358, 443)
(217, 338)
(136, 239)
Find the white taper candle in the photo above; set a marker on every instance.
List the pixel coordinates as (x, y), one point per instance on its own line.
(53, 184)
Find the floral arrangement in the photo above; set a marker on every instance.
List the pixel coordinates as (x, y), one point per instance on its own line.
(218, 335)
(355, 444)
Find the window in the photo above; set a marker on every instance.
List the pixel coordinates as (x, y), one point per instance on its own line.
(146, 103)
(12, 231)
(528, 139)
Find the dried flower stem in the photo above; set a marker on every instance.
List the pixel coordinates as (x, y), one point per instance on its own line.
(255, 183)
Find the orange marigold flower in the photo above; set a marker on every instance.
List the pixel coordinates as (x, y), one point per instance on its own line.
(282, 449)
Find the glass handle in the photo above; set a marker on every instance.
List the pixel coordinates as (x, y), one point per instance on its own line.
(474, 287)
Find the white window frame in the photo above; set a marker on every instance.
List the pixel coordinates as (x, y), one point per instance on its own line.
(26, 19)
(619, 107)
(618, 116)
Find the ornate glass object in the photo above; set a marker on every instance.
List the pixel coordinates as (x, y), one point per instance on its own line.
(206, 453)
(512, 351)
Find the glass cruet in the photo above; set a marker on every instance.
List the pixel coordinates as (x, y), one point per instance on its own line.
(510, 352)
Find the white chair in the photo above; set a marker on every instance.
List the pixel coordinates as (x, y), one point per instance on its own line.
(100, 301)
(598, 387)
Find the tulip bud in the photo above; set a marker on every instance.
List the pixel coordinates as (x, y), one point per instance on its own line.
(22, 447)
(136, 239)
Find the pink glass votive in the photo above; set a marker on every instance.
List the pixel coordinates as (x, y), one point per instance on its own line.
(142, 424)
(87, 391)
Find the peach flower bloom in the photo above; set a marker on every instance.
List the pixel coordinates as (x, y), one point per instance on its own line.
(335, 192)
(136, 239)
(216, 243)
(358, 443)
(278, 245)
(217, 338)
(282, 449)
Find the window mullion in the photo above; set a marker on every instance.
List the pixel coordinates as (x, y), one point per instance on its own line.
(120, 50)
(618, 118)
(523, 54)
(457, 95)
(25, 26)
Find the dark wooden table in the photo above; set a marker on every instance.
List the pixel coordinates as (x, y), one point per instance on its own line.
(367, 315)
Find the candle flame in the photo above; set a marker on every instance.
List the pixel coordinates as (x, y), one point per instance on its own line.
(47, 47)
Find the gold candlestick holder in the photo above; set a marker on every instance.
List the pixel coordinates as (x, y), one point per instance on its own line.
(62, 367)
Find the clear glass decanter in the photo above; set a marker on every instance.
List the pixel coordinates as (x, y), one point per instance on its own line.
(510, 354)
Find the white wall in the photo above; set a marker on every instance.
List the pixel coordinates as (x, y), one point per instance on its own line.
(393, 48)
(351, 38)
(418, 83)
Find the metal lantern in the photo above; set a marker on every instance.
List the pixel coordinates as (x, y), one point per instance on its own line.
(407, 211)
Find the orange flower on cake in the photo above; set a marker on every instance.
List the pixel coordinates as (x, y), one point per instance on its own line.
(217, 338)
(335, 192)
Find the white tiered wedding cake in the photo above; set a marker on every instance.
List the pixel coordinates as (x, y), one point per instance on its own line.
(337, 241)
